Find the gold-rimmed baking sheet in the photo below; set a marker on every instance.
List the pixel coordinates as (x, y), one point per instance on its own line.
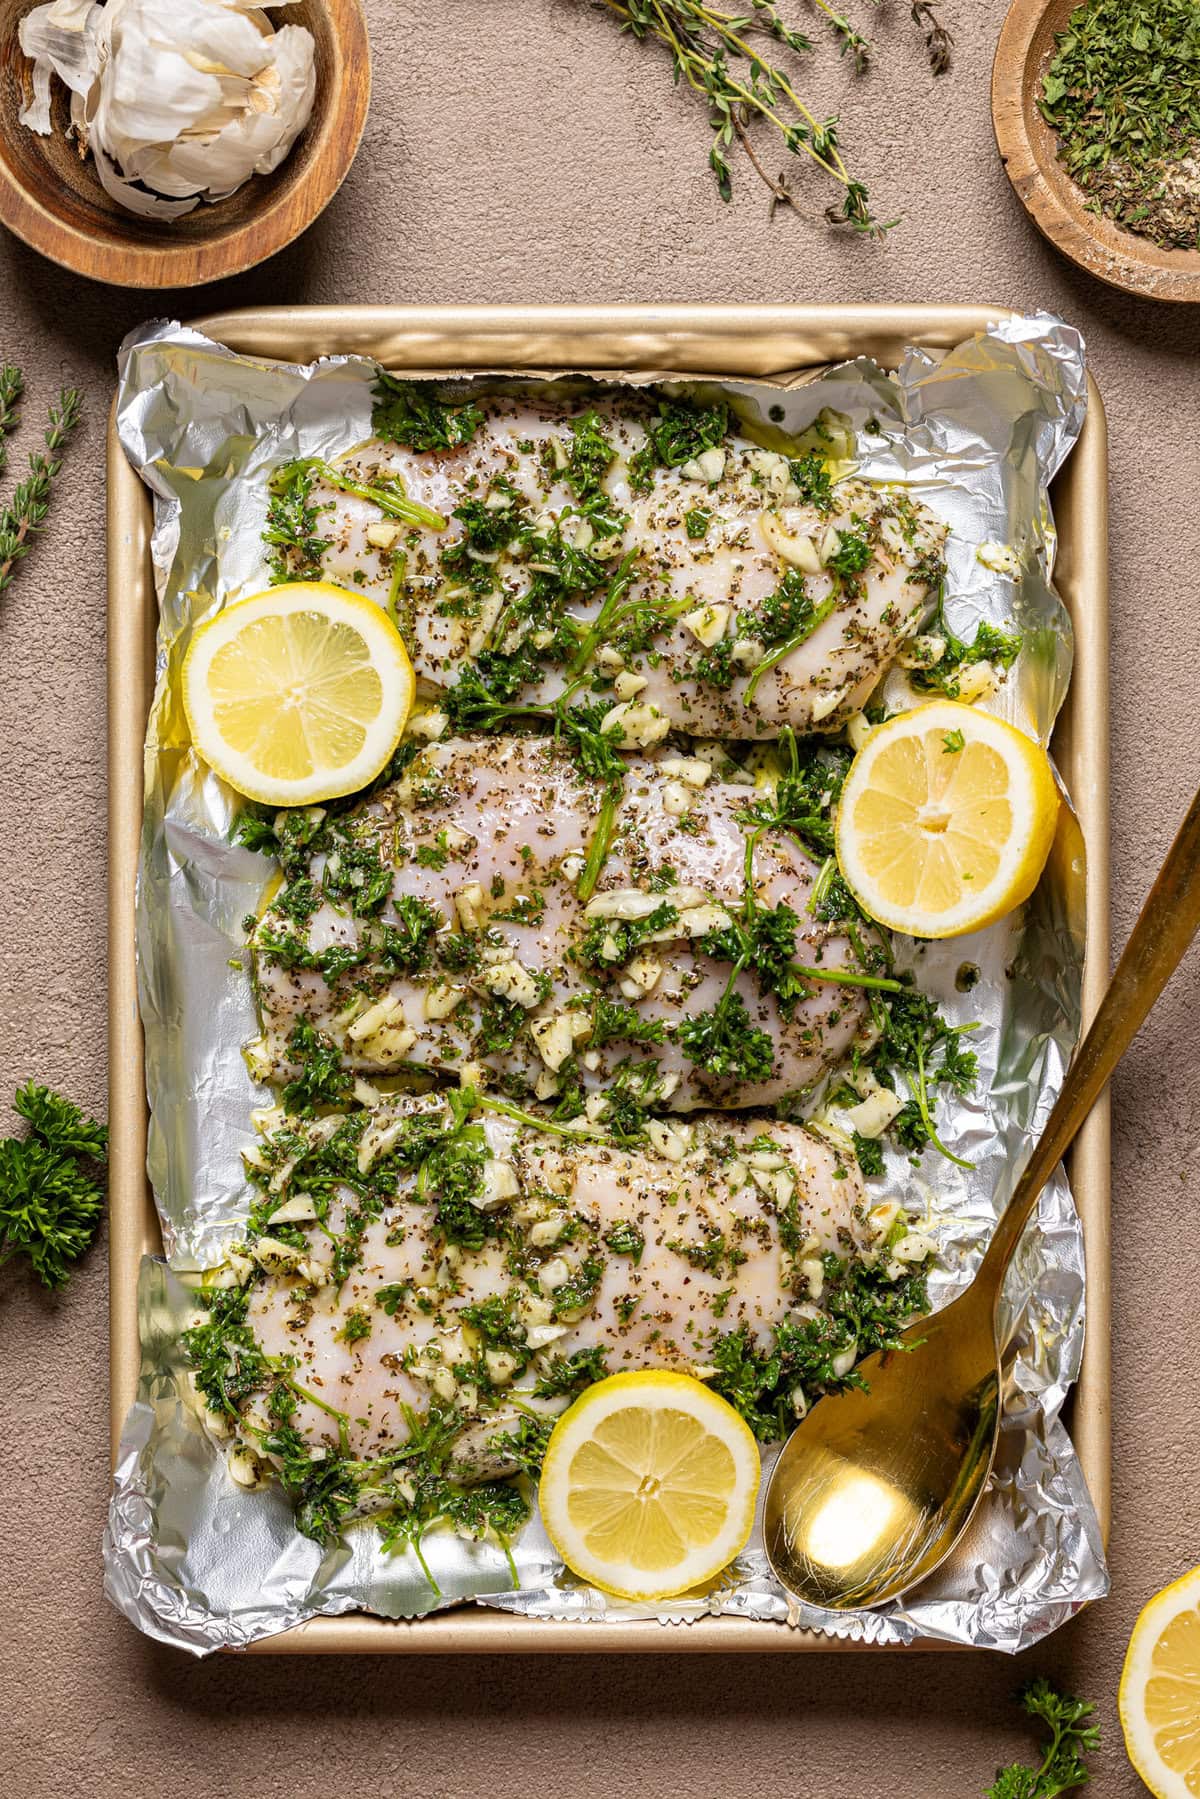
(779, 343)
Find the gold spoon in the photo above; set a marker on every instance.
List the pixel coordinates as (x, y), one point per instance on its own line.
(874, 1488)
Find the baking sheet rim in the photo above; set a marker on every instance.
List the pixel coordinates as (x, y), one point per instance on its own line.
(740, 342)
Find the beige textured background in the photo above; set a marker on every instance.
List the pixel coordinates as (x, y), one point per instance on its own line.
(519, 150)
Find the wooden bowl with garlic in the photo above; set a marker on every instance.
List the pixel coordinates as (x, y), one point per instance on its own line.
(168, 143)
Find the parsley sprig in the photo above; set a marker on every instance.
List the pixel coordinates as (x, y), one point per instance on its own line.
(1062, 1768)
(51, 1199)
(292, 519)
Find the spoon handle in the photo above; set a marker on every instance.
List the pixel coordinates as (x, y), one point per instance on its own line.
(1160, 938)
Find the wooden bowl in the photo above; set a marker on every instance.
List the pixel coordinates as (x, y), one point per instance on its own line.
(1056, 205)
(51, 197)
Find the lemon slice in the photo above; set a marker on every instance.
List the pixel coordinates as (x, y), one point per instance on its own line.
(649, 1485)
(945, 820)
(299, 694)
(1160, 1692)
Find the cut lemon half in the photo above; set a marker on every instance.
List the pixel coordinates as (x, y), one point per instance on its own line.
(945, 820)
(649, 1485)
(1160, 1692)
(299, 694)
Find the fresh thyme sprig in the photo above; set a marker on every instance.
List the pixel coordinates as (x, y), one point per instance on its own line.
(26, 514)
(12, 385)
(938, 42)
(713, 52)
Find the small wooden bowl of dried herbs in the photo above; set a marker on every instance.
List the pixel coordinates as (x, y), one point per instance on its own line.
(1097, 113)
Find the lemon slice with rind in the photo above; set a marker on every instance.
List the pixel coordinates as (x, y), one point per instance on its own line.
(298, 694)
(945, 820)
(649, 1485)
(1160, 1691)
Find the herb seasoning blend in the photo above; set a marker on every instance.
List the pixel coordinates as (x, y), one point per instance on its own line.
(1123, 95)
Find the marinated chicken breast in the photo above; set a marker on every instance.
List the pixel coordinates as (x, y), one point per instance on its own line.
(439, 928)
(629, 1257)
(734, 593)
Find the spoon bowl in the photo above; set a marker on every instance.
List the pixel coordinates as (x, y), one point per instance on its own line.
(876, 1486)
(876, 1494)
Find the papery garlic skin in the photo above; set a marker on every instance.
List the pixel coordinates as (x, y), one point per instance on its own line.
(187, 98)
(60, 40)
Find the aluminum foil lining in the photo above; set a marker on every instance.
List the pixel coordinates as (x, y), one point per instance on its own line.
(200, 1563)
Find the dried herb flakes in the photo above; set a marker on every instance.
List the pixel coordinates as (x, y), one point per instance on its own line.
(1123, 95)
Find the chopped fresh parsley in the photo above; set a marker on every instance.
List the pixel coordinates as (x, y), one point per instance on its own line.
(580, 1290)
(525, 1446)
(869, 1152)
(590, 458)
(225, 1355)
(433, 855)
(863, 1311)
(407, 945)
(806, 793)
(712, 1255)
(716, 667)
(609, 942)
(489, 527)
(567, 1375)
(990, 644)
(450, 1173)
(356, 876)
(814, 481)
(322, 1080)
(785, 613)
(291, 528)
(679, 433)
(391, 1297)
(411, 414)
(612, 1019)
(919, 1046)
(852, 554)
(762, 938)
(625, 1239)
(357, 1325)
(497, 1322)
(724, 1043)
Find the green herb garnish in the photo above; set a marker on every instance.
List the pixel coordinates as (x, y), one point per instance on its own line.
(27, 511)
(862, 1311)
(1062, 1768)
(51, 1201)
(990, 644)
(411, 414)
(723, 56)
(291, 527)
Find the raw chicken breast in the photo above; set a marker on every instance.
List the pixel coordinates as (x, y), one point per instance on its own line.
(482, 957)
(755, 595)
(646, 1256)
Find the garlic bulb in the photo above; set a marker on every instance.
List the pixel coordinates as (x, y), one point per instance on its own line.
(178, 100)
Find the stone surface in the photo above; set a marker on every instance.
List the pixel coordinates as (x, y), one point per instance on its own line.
(525, 152)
